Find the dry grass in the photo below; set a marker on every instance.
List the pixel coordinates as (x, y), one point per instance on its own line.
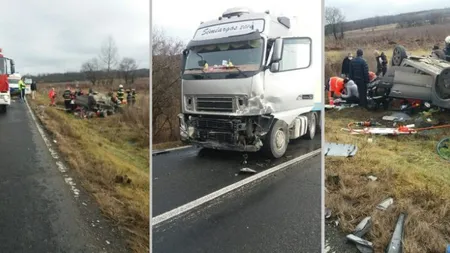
(103, 151)
(383, 38)
(408, 169)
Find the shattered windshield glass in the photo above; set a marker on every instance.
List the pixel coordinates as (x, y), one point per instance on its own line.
(235, 57)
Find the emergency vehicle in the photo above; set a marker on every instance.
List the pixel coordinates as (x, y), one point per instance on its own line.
(7, 68)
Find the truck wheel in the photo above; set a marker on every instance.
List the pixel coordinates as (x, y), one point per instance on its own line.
(276, 140)
(3, 109)
(312, 126)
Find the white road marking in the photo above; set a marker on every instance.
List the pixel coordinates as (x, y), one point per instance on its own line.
(205, 199)
(61, 167)
(170, 149)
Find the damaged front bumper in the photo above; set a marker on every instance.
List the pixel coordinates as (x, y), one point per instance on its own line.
(224, 133)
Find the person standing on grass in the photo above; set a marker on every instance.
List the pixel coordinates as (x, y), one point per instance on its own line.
(120, 93)
(22, 88)
(346, 65)
(133, 97)
(359, 73)
(52, 96)
(33, 90)
(384, 63)
(447, 48)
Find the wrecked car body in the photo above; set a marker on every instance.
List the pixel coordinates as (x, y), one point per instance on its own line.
(237, 92)
(96, 102)
(414, 78)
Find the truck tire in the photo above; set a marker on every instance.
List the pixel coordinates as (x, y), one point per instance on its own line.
(276, 140)
(312, 126)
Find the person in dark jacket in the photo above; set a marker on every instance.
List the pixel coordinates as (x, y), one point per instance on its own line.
(438, 53)
(346, 65)
(33, 90)
(384, 63)
(447, 48)
(359, 73)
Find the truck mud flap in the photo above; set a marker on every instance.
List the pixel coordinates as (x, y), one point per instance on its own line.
(343, 150)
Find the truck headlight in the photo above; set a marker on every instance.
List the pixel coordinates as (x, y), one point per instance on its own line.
(189, 101)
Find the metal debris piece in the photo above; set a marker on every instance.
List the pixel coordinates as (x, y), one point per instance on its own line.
(372, 178)
(336, 149)
(385, 204)
(397, 116)
(395, 246)
(364, 245)
(327, 213)
(247, 170)
(363, 227)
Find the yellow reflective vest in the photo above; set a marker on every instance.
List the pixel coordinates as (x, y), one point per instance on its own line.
(21, 85)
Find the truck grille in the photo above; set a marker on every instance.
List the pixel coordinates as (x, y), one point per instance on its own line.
(214, 124)
(214, 104)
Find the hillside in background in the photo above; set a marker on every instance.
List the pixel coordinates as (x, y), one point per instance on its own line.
(411, 19)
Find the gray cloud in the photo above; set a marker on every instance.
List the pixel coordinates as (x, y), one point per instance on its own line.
(356, 9)
(55, 36)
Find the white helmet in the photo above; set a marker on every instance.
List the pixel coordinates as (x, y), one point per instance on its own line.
(447, 40)
(121, 86)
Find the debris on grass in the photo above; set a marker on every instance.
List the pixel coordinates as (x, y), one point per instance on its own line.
(385, 204)
(397, 116)
(327, 213)
(247, 170)
(361, 244)
(337, 149)
(363, 227)
(395, 245)
(372, 178)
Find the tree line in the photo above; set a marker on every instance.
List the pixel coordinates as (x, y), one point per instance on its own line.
(101, 69)
(336, 25)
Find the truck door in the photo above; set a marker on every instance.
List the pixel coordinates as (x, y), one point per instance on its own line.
(291, 85)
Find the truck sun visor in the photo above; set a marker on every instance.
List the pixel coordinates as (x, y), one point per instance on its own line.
(250, 36)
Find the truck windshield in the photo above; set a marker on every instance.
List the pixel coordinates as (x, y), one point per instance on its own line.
(230, 60)
(2, 66)
(13, 81)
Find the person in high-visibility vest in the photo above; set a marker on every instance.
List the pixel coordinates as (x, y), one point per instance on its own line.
(22, 88)
(335, 87)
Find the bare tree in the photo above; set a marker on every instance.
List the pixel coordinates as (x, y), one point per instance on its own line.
(109, 56)
(166, 90)
(334, 19)
(127, 69)
(91, 70)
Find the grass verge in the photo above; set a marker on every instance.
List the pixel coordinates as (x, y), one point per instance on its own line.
(104, 152)
(408, 169)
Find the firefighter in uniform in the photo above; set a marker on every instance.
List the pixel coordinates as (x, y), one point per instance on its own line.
(67, 95)
(120, 93)
(133, 96)
(129, 97)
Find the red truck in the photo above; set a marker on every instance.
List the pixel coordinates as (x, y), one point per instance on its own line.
(7, 68)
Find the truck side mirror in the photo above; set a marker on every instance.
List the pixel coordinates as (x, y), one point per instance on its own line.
(277, 50)
(13, 67)
(275, 67)
(183, 59)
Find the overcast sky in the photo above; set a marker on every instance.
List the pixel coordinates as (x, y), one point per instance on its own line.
(49, 36)
(180, 19)
(357, 9)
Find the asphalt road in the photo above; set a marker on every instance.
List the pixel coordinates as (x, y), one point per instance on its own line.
(38, 210)
(282, 213)
(184, 175)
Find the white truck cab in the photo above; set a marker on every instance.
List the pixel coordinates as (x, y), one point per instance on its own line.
(249, 82)
(13, 81)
